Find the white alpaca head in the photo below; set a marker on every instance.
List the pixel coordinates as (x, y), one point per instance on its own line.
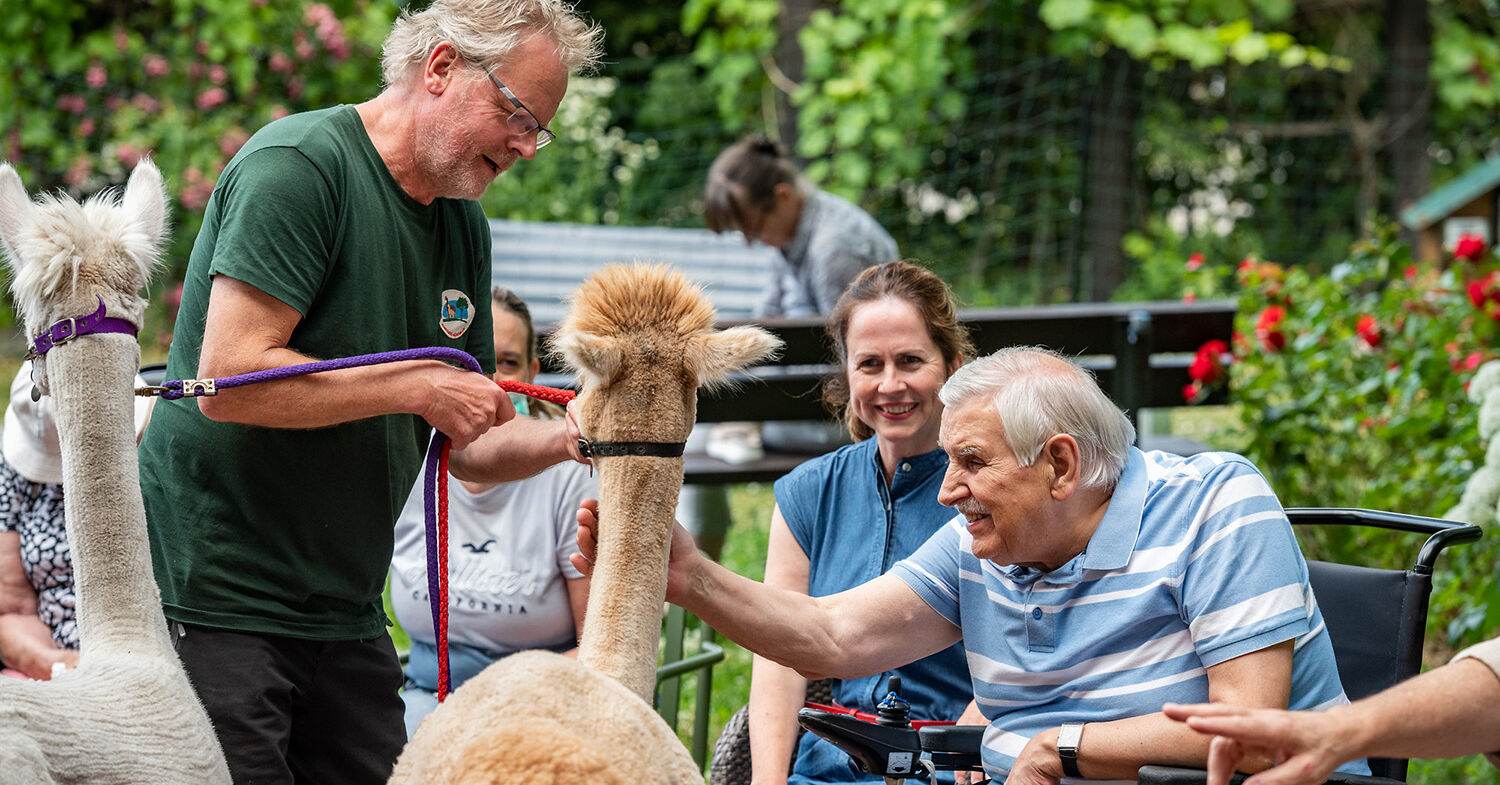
(63, 255)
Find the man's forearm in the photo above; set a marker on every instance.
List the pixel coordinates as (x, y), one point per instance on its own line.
(783, 626)
(321, 399)
(1115, 750)
(1444, 713)
(513, 451)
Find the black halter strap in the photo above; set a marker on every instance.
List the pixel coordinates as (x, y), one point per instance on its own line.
(616, 449)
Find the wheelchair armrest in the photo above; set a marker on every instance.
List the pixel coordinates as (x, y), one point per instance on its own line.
(953, 747)
(880, 750)
(1171, 775)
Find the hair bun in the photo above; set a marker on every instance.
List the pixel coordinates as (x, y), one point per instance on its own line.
(765, 145)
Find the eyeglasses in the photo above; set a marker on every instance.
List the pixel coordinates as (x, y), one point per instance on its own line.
(522, 121)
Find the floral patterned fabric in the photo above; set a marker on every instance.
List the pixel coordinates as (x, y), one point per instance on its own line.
(36, 511)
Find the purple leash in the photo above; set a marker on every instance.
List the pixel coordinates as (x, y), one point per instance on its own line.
(194, 388)
(434, 486)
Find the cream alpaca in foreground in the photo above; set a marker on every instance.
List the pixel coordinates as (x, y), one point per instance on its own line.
(127, 714)
(642, 339)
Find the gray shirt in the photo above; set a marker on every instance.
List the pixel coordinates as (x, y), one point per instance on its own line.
(835, 240)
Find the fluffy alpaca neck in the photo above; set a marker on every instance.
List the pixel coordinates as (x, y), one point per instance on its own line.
(622, 628)
(119, 606)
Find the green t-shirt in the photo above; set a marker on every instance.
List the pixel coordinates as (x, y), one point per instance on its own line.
(289, 532)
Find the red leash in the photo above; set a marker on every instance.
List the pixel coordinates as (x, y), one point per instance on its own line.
(437, 540)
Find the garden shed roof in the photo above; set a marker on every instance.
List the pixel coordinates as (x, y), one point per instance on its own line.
(1444, 201)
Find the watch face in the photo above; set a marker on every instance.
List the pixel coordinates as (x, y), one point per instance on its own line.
(1068, 736)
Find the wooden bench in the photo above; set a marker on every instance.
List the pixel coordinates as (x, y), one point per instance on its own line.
(545, 262)
(1139, 352)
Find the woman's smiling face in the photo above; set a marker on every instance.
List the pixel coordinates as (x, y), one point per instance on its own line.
(895, 371)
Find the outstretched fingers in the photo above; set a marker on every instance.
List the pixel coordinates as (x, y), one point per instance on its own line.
(588, 537)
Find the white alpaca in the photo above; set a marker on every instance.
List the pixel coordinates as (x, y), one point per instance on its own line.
(127, 714)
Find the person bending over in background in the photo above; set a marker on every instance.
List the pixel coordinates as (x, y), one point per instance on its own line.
(756, 189)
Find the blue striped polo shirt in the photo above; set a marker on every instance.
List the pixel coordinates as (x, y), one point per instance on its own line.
(1193, 563)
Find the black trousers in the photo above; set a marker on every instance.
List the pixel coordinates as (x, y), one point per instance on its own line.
(298, 712)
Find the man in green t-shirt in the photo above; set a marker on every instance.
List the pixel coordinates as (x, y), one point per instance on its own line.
(333, 233)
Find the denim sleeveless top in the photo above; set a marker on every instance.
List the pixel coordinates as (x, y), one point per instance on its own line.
(853, 529)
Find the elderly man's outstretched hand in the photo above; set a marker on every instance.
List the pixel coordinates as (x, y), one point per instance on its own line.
(1302, 744)
(684, 549)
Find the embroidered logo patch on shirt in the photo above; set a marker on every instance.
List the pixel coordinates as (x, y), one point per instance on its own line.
(457, 313)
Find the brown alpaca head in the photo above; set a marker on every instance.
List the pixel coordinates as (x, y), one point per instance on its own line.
(642, 339)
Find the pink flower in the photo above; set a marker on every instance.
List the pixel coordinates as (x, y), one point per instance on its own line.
(72, 103)
(145, 103)
(1194, 262)
(195, 190)
(212, 97)
(78, 172)
(217, 74)
(173, 298)
(129, 155)
(122, 39)
(1368, 330)
(232, 140)
(1469, 246)
(280, 63)
(155, 66)
(95, 77)
(1190, 296)
(278, 111)
(85, 127)
(1410, 273)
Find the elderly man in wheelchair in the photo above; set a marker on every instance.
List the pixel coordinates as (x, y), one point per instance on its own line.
(1090, 583)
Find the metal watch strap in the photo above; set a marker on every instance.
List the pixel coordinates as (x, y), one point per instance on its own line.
(1067, 747)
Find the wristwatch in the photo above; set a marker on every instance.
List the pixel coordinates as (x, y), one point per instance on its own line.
(1067, 747)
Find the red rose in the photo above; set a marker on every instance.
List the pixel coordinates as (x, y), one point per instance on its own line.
(1209, 362)
(1267, 331)
(1369, 330)
(1194, 262)
(1192, 393)
(1469, 246)
(1484, 293)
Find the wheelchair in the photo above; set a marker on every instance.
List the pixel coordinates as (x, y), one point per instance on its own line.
(1376, 618)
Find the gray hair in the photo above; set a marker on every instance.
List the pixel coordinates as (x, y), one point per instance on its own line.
(485, 32)
(1037, 394)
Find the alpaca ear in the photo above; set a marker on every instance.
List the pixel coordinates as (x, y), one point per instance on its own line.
(713, 356)
(145, 201)
(595, 357)
(15, 205)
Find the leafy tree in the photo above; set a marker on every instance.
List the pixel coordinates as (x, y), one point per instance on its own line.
(90, 88)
